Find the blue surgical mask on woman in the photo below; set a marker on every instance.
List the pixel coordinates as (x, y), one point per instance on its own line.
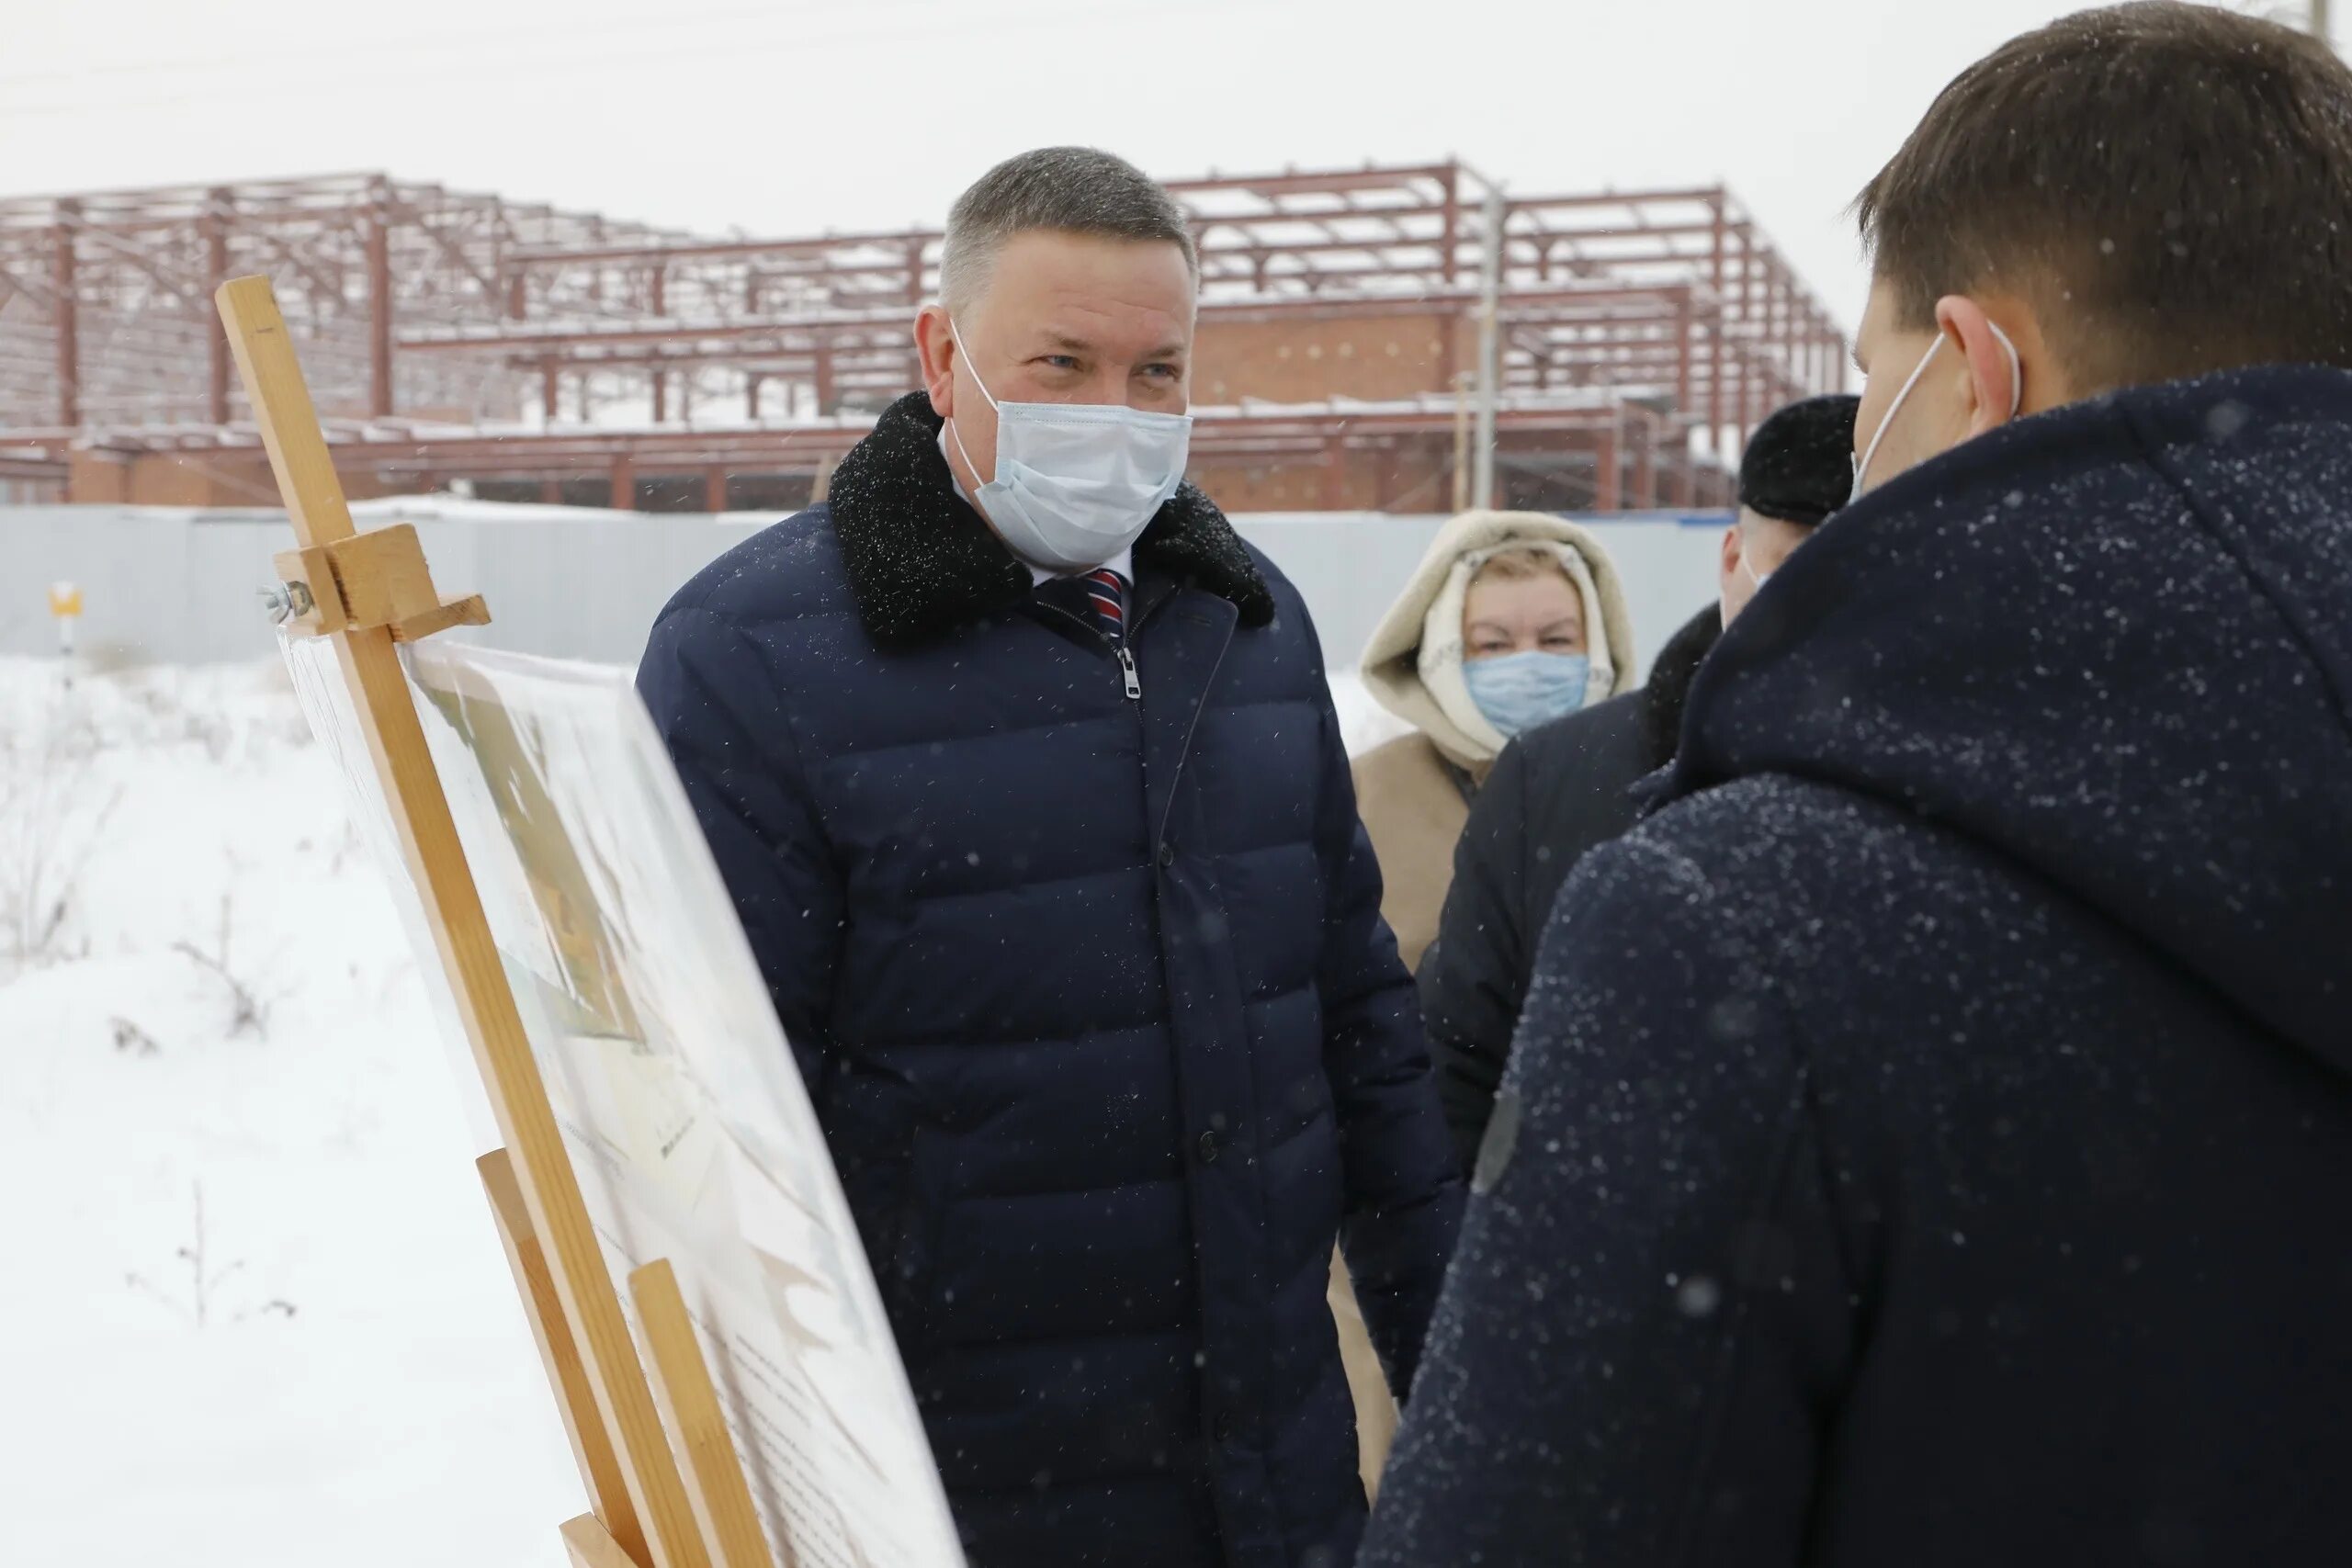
(1520, 691)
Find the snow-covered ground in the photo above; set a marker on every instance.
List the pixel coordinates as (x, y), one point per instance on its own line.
(252, 1309)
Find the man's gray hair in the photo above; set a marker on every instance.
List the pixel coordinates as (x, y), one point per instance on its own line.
(1078, 190)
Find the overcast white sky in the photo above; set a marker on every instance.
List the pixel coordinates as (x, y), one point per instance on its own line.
(798, 115)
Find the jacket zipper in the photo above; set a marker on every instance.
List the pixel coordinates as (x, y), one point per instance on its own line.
(1119, 650)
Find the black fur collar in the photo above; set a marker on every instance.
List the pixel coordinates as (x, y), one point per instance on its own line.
(921, 562)
(1670, 683)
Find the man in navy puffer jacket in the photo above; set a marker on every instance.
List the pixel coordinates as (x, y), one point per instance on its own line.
(1024, 777)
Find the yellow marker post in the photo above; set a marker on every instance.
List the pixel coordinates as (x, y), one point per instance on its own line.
(65, 609)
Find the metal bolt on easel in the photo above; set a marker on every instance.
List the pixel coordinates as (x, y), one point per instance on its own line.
(287, 602)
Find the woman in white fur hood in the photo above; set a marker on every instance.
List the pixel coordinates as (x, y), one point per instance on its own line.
(1511, 619)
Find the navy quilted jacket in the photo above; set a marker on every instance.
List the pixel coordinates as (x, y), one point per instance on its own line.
(1093, 998)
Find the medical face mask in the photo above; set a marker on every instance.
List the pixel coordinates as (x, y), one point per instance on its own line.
(2017, 400)
(1076, 483)
(1520, 691)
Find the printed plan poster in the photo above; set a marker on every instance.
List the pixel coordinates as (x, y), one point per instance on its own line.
(680, 1104)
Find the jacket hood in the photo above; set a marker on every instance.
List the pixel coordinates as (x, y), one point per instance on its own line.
(2110, 644)
(1669, 687)
(1392, 662)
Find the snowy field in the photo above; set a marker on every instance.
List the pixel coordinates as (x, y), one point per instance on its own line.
(252, 1312)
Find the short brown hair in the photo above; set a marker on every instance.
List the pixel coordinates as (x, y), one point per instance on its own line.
(1078, 190)
(2169, 185)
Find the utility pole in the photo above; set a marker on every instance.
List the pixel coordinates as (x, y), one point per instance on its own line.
(1461, 441)
(2318, 22)
(1482, 484)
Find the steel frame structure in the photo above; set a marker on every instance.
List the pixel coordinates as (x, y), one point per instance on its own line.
(431, 318)
(104, 314)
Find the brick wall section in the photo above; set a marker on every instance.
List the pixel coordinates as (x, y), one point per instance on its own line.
(1374, 358)
(1414, 352)
(1411, 479)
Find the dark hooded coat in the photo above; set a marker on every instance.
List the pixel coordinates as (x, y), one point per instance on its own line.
(1930, 1137)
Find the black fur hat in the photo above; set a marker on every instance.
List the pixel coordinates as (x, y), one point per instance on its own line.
(1799, 466)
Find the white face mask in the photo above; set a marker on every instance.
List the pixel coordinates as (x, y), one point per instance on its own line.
(1076, 483)
(1756, 580)
(2017, 400)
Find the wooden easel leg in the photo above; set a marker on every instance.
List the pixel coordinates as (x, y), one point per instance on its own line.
(591, 1445)
(590, 1545)
(688, 1400)
(683, 1390)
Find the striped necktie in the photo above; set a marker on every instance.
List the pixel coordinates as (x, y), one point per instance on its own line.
(1106, 596)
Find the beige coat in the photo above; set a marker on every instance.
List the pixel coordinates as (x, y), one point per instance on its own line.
(1410, 797)
(1409, 794)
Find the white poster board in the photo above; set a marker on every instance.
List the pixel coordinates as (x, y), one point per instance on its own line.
(677, 1095)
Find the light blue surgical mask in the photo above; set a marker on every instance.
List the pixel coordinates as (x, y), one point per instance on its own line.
(1520, 691)
(1076, 483)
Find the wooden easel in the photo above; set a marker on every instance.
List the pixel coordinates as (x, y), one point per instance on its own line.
(674, 1499)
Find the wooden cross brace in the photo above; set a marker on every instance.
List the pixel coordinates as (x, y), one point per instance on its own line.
(376, 579)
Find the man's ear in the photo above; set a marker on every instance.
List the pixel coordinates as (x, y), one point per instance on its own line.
(1729, 554)
(1998, 385)
(935, 346)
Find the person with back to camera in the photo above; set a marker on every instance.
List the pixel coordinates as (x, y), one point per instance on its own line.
(1929, 1140)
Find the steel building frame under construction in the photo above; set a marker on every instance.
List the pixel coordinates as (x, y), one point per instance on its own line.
(1635, 338)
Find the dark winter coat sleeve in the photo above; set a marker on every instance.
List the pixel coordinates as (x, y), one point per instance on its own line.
(741, 774)
(1474, 977)
(1404, 1199)
(1640, 1350)
(1555, 793)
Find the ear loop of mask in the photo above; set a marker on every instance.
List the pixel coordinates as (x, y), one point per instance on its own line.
(954, 427)
(2016, 398)
(2016, 368)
